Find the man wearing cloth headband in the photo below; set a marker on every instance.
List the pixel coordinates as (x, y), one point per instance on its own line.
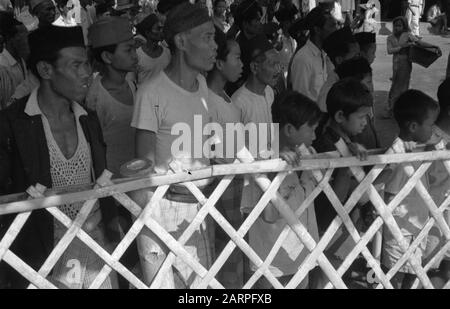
(49, 138)
(176, 95)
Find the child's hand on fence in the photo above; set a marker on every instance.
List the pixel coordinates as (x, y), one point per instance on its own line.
(410, 146)
(358, 151)
(291, 157)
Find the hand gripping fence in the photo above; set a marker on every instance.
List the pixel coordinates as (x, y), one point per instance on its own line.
(321, 166)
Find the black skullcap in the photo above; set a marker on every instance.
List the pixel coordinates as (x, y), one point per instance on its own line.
(164, 6)
(259, 45)
(48, 40)
(184, 17)
(147, 23)
(365, 38)
(338, 41)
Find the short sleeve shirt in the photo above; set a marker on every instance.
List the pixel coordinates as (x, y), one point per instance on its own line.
(163, 107)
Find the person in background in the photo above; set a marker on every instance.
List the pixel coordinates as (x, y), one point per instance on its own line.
(367, 45)
(339, 46)
(413, 14)
(111, 95)
(66, 15)
(44, 10)
(153, 56)
(310, 65)
(398, 45)
(248, 20)
(228, 68)
(12, 65)
(286, 17)
(437, 18)
(219, 18)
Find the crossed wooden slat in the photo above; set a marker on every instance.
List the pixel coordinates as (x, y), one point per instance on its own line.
(270, 188)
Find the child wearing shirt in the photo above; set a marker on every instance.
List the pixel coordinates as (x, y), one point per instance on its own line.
(438, 174)
(298, 118)
(415, 113)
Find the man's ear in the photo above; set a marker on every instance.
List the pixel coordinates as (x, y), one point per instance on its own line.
(219, 64)
(44, 69)
(287, 130)
(412, 126)
(254, 67)
(106, 57)
(339, 117)
(180, 41)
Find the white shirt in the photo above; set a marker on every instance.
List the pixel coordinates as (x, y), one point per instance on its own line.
(149, 67)
(69, 21)
(309, 70)
(255, 108)
(223, 112)
(160, 105)
(115, 118)
(263, 235)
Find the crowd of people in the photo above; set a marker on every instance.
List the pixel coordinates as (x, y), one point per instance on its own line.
(91, 86)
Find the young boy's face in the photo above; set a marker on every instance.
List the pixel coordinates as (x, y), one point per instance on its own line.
(354, 123)
(421, 133)
(305, 134)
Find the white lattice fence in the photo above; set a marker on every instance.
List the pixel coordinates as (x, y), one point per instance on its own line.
(321, 166)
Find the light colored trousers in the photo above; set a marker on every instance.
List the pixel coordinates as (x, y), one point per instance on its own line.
(414, 19)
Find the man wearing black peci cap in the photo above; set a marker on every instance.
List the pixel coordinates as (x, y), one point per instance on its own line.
(49, 138)
(177, 95)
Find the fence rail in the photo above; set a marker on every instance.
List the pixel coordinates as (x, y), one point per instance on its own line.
(321, 167)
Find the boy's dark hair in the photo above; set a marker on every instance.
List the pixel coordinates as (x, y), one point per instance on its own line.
(338, 43)
(365, 40)
(295, 108)
(97, 52)
(348, 95)
(356, 68)
(413, 106)
(444, 97)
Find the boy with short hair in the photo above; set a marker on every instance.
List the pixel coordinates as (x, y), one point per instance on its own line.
(297, 117)
(367, 44)
(439, 177)
(415, 113)
(348, 104)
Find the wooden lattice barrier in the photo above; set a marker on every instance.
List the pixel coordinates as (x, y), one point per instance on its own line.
(320, 165)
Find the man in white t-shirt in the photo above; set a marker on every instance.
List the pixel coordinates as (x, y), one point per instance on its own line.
(176, 96)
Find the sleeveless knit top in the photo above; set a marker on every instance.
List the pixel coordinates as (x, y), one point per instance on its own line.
(69, 172)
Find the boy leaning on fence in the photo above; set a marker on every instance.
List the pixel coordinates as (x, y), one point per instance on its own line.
(415, 113)
(348, 104)
(298, 117)
(438, 173)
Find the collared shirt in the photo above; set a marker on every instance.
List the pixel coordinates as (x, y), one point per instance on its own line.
(32, 107)
(309, 70)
